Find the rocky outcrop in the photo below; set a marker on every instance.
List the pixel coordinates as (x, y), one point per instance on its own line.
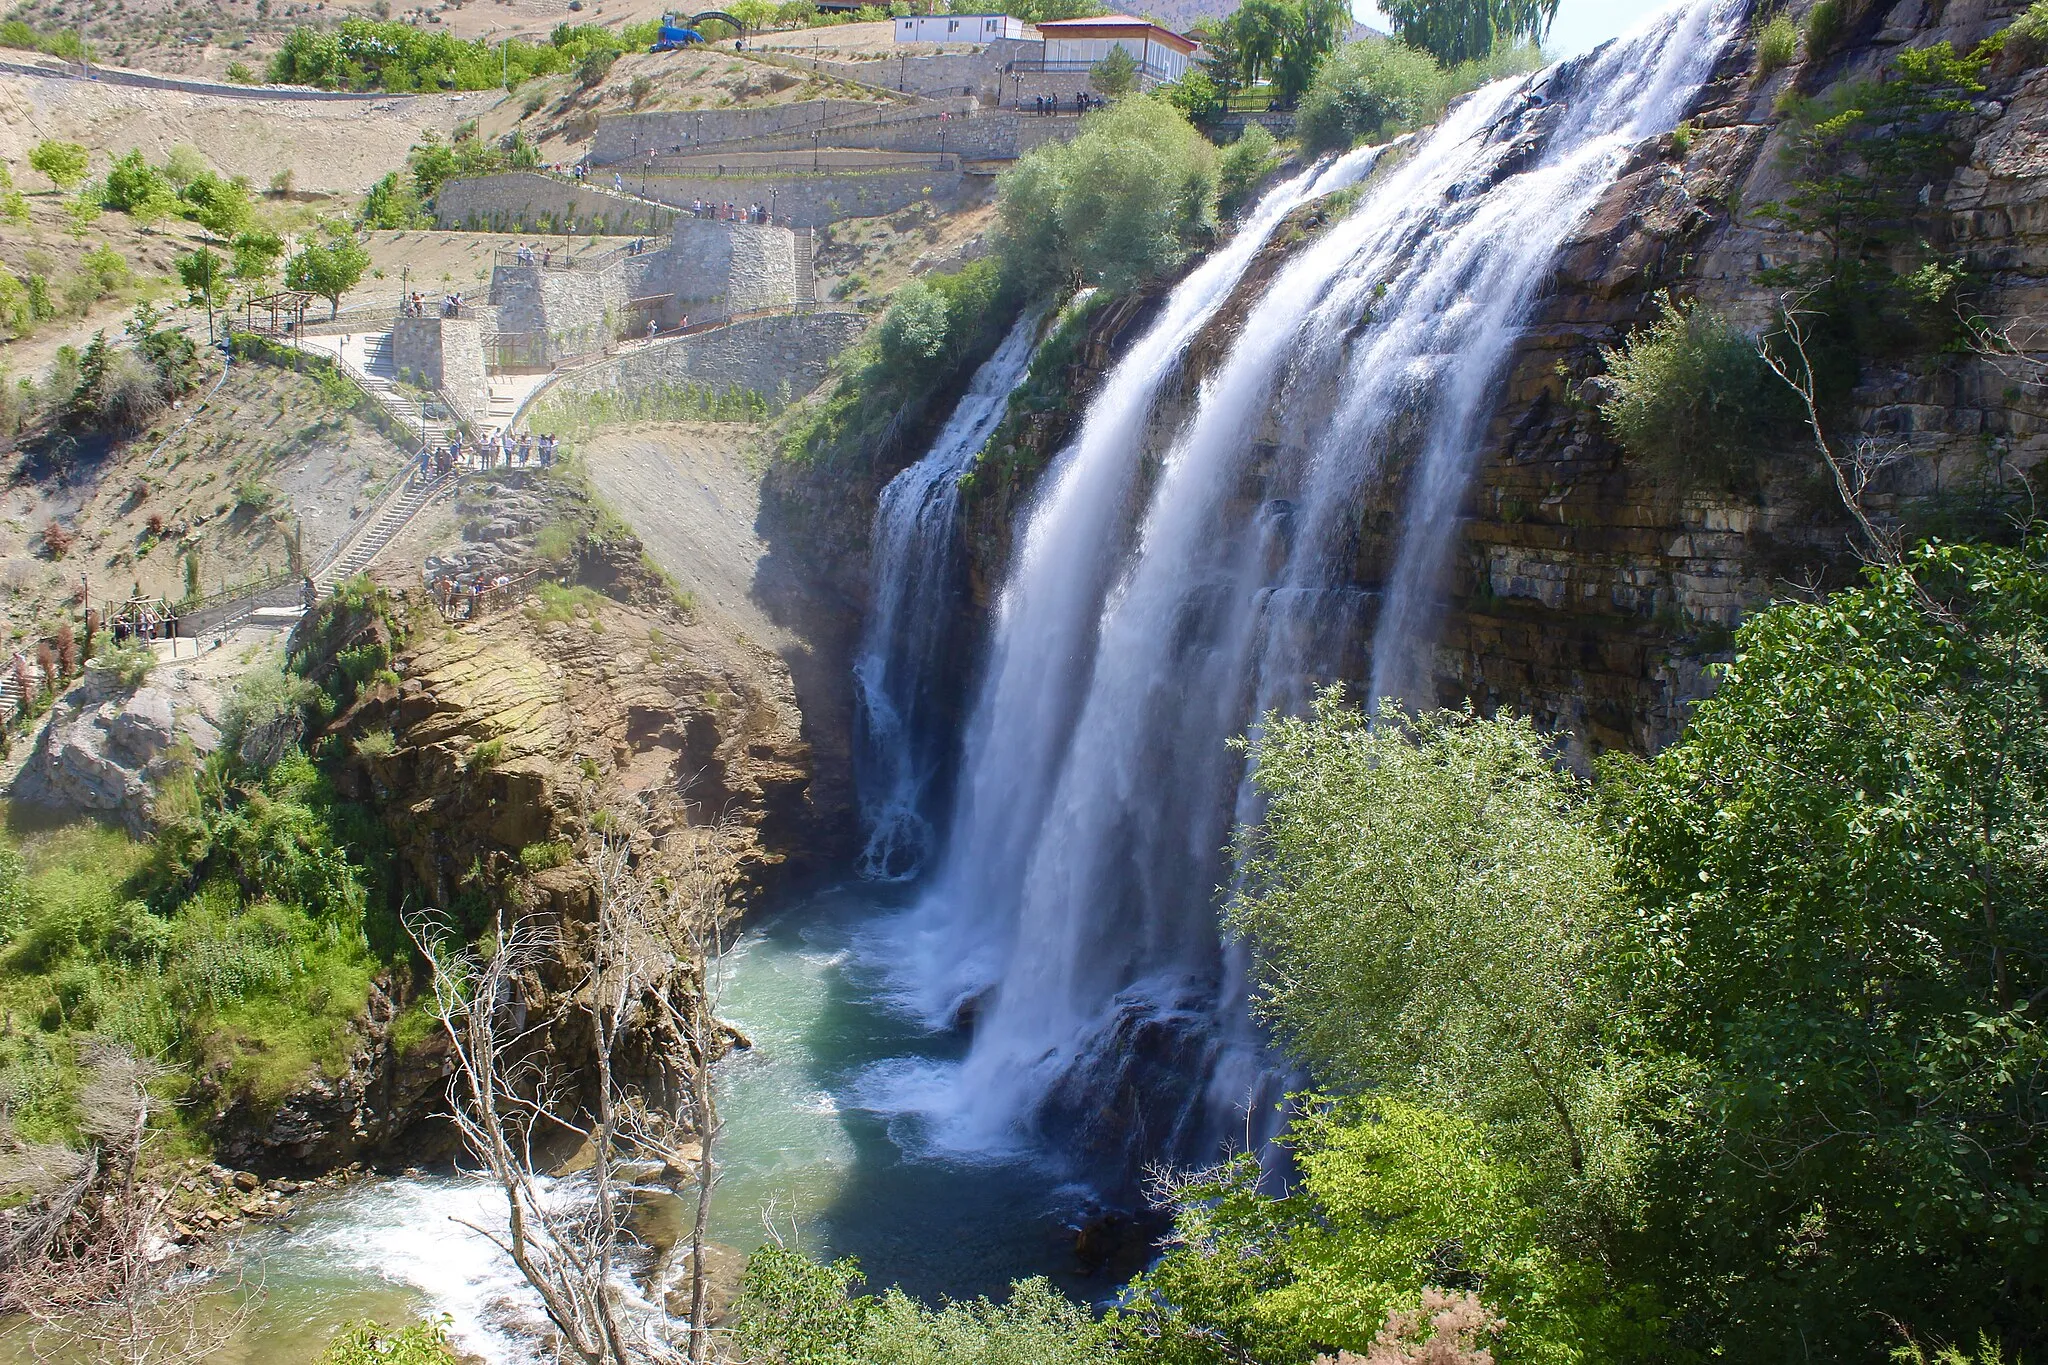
(108, 743)
(1588, 590)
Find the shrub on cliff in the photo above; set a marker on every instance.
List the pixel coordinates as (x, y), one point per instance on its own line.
(1124, 203)
(1367, 90)
(937, 329)
(1691, 397)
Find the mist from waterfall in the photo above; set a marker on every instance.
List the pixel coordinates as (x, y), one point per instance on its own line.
(899, 671)
(1155, 610)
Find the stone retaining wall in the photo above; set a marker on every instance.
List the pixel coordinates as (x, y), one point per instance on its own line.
(814, 200)
(709, 270)
(781, 358)
(979, 74)
(622, 137)
(445, 354)
(529, 201)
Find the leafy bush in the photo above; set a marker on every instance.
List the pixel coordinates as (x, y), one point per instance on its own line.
(1368, 91)
(1243, 165)
(1692, 398)
(541, 857)
(1823, 26)
(240, 73)
(794, 1311)
(938, 329)
(1777, 45)
(1122, 204)
(368, 1343)
(2030, 30)
(377, 744)
(130, 664)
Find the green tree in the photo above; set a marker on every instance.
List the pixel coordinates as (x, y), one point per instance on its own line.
(1456, 31)
(1310, 31)
(62, 163)
(131, 181)
(1368, 91)
(80, 214)
(1194, 94)
(225, 208)
(1858, 159)
(1839, 941)
(1121, 204)
(256, 256)
(1115, 75)
(1426, 899)
(330, 268)
(206, 278)
(1043, 11)
(1243, 165)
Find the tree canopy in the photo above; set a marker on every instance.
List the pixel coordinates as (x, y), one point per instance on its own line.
(1456, 31)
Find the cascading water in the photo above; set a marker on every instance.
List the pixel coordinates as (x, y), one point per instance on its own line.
(898, 670)
(1147, 623)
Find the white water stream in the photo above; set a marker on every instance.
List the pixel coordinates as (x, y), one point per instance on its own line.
(1150, 617)
(901, 664)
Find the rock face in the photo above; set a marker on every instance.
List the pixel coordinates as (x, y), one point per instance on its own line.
(1585, 590)
(105, 742)
(506, 741)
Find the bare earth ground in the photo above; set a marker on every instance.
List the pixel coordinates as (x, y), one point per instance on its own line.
(692, 492)
(273, 431)
(333, 147)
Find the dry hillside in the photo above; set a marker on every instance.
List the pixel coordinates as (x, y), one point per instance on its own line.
(231, 476)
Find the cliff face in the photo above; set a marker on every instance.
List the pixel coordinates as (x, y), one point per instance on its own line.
(511, 738)
(1589, 591)
(1591, 597)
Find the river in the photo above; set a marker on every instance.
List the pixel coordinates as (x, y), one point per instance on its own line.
(798, 1148)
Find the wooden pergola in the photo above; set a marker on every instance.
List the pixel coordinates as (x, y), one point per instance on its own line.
(282, 314)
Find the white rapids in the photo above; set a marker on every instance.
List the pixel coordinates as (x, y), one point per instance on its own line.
(1155, 609)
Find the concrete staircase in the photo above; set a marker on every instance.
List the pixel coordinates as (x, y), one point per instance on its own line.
(806, 268)
(381, 527)
(380, 376)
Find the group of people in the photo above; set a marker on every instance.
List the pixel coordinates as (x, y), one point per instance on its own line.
(416, 305)
(524, 255)
(466, 596)
(731, 213)
(498, 450)
(1083, 102)
(145, 624)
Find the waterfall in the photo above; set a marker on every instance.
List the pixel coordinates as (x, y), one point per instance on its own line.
(897, 673)
(1155, 610)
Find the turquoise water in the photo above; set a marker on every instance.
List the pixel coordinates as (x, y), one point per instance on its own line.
(798, 1150)
(799, 1147)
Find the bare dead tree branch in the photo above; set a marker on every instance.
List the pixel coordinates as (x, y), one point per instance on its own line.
(647, 988)
(89, 1264)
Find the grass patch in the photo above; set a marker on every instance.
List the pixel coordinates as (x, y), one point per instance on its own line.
(239, 944)
(541, 857)
(564, 605)
(579, 416)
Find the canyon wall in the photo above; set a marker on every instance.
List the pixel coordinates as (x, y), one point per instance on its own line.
(1588, 590)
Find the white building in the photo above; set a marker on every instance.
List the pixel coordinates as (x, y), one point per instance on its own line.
(957, 28)
(1078, 44)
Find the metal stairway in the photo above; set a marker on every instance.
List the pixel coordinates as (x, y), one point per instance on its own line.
(806, 267)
